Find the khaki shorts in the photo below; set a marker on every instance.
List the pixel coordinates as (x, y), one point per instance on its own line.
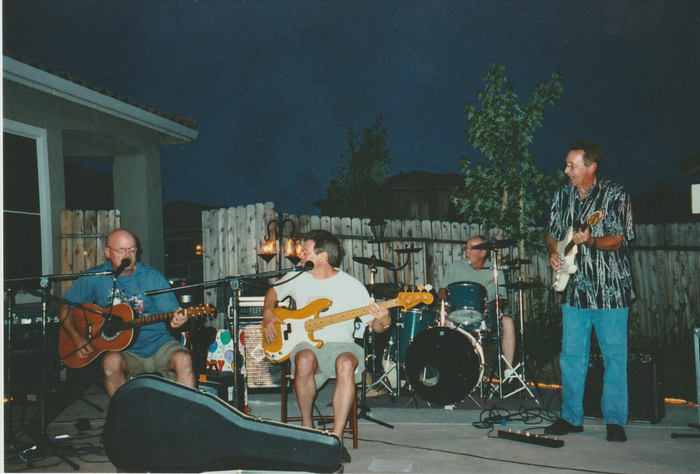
(326, 357)
(156, 363)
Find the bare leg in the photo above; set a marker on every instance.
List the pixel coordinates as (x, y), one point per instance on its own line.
(114, 366)
(344, 394)
(305, 385)
(181, 363)
(508, 339)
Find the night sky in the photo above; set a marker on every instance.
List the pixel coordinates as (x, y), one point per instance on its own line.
(276, 86)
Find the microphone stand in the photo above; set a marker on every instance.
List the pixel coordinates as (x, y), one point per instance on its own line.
(44, 282)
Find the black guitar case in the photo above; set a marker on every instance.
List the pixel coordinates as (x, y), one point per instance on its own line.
(155, 425)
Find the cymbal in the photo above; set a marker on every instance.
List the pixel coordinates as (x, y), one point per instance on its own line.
(384, 290)
(495, 244)
(517, 262)
(409, 250)
(373, 261)
(522, 285)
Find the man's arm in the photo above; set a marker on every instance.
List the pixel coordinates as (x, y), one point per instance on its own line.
(269, 317)
(608, 243)
(554, 258)
(65, 316)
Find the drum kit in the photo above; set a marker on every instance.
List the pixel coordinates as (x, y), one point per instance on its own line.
(439, 352)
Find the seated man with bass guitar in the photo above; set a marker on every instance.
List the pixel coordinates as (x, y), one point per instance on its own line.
(87, 330)
(338, 355)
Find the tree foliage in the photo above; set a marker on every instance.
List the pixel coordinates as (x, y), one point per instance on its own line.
(356, 188)
(507, 192)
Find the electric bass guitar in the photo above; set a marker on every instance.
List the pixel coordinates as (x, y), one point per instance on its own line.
(113, 334)
(567, 250)
(299, 325)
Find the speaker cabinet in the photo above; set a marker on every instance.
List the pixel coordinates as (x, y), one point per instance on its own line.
(645, 384)
(260, 372)
(155, 425)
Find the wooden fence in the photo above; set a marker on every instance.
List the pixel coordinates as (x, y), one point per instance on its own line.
(83, 238)
(665, 258)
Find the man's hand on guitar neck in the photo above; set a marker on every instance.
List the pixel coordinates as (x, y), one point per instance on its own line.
(583, 237)
(382, 318)
(179, 318)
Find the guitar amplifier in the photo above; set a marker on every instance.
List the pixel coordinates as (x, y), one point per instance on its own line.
(260, 372)
(645, 385)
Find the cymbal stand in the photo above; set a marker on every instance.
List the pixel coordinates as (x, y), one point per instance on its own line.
(498, 323)
(384, 379)
(363, 409)
(521, 365)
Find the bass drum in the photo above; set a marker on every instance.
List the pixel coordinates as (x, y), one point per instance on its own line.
(444, 365)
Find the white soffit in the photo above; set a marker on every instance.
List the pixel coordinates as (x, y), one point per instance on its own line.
(34, 78)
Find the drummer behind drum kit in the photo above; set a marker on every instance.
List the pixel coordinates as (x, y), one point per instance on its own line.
(439, 353)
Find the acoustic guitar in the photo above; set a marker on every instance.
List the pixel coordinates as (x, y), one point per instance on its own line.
(114, 334)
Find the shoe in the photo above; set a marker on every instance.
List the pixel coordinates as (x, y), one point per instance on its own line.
(616, 432)
(345, 456)
(562, 427)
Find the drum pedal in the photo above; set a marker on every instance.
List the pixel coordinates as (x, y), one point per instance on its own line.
(531, 438)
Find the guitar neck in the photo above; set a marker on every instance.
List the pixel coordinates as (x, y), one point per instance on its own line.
(320, 323)
(571, 244)
(139, 322)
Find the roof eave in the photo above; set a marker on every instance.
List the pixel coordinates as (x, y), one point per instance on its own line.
(34, 78)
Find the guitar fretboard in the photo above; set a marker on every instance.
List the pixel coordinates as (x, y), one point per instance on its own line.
(138, 322)
(408, 302)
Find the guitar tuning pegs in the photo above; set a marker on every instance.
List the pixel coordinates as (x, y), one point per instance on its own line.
(428, 287)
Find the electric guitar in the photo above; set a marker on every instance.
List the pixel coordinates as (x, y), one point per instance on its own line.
(115, 334)
(299, 325)
(567, 250)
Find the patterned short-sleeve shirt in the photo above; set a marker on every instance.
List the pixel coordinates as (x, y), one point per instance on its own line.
(604, 278)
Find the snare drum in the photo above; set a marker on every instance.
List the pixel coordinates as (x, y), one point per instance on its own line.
(467, 302)
(443, 365)
(411, 323)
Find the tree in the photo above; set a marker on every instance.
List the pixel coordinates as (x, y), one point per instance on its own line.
(508, 192)
(356, 188)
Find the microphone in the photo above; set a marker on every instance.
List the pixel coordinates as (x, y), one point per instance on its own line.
(122, 266)
(308, 266)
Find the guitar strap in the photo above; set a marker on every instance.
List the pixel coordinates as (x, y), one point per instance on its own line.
(588, 204)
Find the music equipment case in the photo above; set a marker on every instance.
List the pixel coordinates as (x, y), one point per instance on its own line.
(155, 425)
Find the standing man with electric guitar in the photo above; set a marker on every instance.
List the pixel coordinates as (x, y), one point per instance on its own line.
(155, 349)
(338, 356)
(596, 215)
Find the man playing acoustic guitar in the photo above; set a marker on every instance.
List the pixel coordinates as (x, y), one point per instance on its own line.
(599, 291)
(339, 356)
(154, 350)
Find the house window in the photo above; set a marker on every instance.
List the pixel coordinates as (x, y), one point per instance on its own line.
(26, 209)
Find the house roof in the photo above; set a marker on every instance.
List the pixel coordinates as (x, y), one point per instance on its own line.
(423, 179)
(182, 120)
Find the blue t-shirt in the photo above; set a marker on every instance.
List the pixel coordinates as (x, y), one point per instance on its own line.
(130, 290)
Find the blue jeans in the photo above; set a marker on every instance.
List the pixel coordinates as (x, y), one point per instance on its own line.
(611, 330)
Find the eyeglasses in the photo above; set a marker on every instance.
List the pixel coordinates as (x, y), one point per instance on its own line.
(571, 167)
(122, 252)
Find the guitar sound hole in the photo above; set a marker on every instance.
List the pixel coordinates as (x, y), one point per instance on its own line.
(112, 327)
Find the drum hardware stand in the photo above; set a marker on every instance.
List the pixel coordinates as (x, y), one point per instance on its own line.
(384, 379)
(364, 409)
(520, 286)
